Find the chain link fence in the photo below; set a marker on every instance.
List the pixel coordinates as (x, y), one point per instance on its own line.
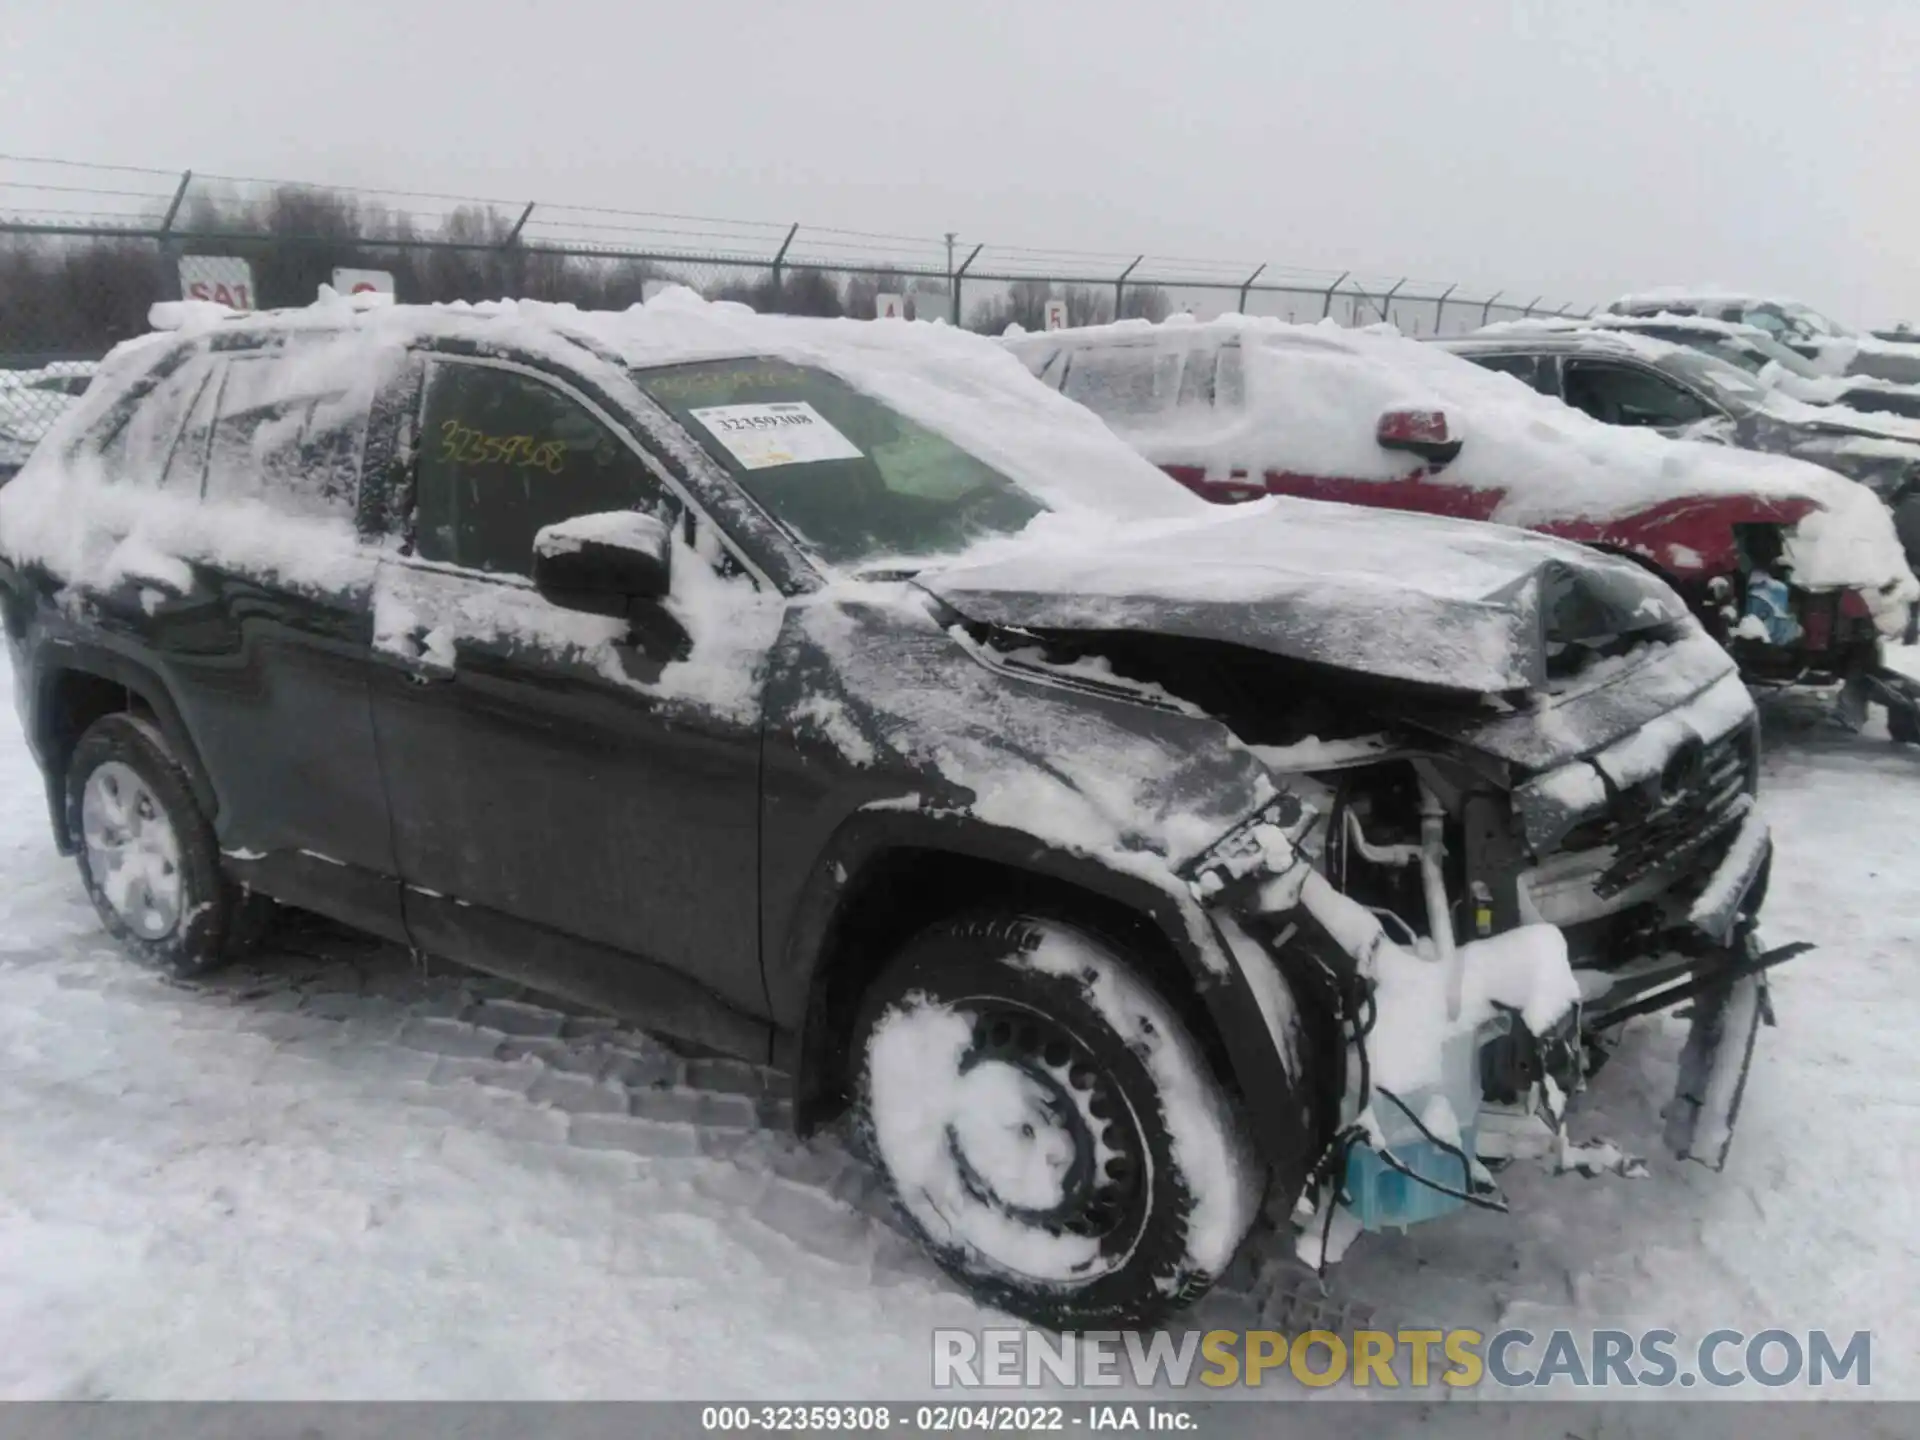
(85, 251)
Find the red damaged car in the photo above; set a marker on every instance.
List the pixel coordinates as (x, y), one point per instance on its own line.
(1796, 569)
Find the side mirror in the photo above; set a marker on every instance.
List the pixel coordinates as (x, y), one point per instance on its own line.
(603, 564)
(1419, 432)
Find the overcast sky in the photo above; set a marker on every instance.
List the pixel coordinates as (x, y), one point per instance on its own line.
(1575, 149)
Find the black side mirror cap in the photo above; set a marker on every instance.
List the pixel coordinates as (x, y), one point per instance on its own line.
(604, 564)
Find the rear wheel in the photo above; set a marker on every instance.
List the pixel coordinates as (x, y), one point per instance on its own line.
(1048, 1126)
(147, 852)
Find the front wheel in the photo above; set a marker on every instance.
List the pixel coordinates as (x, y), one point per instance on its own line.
(147, 852)
(1048, 1126)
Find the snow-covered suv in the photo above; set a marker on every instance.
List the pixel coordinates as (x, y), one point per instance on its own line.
(831, 693)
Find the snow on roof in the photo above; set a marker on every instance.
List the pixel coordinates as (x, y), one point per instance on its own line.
(1702, 295)
(1584, 334)
(962, 385)
(1661, 320)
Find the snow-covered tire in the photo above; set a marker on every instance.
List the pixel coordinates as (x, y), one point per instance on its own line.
(1047, 1125)
(148, 855)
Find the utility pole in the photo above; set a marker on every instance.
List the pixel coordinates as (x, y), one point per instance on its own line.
(952, 235)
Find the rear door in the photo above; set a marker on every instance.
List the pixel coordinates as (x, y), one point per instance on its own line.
(1539, 372)
(245, 582)
(1170, 402)
(572, 799)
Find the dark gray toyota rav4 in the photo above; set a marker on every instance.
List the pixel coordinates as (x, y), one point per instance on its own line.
(834, 694)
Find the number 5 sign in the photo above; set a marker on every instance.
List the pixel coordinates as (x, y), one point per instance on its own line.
(223, 279)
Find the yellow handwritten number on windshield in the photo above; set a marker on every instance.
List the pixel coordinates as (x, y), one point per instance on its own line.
(465, 445)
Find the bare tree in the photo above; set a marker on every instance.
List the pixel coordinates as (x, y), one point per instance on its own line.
(1145, 302)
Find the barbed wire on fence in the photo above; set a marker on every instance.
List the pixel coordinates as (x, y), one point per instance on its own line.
(85, 248)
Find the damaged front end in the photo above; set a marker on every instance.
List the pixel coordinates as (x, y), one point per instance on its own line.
(1783, 632)
(1478, 896)
(1481, 944)
(1464, 890)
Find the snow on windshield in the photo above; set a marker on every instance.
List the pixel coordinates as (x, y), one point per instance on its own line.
(850, 478)
(962, 386)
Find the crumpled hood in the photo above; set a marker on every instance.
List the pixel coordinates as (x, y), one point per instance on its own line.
(1451, 604)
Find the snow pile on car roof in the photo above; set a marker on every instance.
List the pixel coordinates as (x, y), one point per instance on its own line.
(1708, 294)
(1315, 394)
(962, 385)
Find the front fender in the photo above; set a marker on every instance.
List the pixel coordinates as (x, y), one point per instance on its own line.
(891, 732)
(1235, 981)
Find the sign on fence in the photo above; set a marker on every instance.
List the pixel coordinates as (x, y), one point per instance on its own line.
(225, 279)
(889, 307)
(362, 282)
(1056, 314)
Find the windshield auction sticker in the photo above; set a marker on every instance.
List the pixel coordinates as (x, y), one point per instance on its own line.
(782, 432)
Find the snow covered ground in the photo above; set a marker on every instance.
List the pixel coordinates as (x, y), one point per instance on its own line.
(326, 1175)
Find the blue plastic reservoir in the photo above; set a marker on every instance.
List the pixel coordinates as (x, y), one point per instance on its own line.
(1384, 1199)
(1771, 603)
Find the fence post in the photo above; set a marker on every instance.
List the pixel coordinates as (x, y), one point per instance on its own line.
(1326, 307)
(1386, 301)
(515, 255)
(1440, 308)
(1530, 304)
(1590, 310)
(1487, 309)
(780, 256)
(1120, 285)
(1248, 285)
(169, 247)
(960, 275)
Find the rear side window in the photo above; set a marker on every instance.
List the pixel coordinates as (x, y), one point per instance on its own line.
(148, 442)
(1211, 378)
(1121, 384)
(1141, 383)
(1538, 371)
(288, 433)
(503, 454)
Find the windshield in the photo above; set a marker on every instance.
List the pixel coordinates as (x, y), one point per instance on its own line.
(1726, 383)
(852, 480)
(1747, 357)
(1814, 323)
(1792, 361)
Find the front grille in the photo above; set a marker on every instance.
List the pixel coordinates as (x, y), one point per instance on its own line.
(1663, 824)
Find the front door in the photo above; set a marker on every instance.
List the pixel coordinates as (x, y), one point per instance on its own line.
(1618, 394)
(572, 795)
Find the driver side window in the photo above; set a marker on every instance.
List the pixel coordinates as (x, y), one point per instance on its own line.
(503, 454)
(1626, 395)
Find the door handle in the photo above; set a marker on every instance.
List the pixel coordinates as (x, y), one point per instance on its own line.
(417, 666)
